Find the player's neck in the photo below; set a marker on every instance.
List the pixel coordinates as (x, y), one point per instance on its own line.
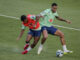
(53, 11)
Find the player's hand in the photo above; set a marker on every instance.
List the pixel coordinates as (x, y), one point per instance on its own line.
(67, 21)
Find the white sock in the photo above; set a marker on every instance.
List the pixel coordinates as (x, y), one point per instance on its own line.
(64, 48)
(41, 46)
(29, 48)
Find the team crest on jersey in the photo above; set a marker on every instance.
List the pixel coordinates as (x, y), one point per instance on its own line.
(33, 16)
(50, 20)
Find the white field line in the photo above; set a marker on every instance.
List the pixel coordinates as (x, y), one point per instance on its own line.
(67, 27)
(9, 16)
(70, 28)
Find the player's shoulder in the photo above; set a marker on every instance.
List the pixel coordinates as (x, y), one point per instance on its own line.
(30, 16)
(48, 10)
(56, 14)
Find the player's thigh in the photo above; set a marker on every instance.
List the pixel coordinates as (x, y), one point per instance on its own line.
(29, 37)
(51, 30)
(36, 39)
(58, 33)
(45, 33)
(37, 33)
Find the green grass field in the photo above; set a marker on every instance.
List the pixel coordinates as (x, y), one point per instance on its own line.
(10, 48)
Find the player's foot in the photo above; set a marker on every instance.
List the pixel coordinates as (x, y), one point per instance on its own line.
(25, 52)
(40, 49)
(68, 51)
(26, 46)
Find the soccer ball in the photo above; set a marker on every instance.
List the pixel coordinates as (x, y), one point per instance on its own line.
(59, 53)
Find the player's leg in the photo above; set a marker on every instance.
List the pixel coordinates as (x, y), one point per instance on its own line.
(61, 35)
(36, 36)
(29, 37)
(36, 39)
(45, 35)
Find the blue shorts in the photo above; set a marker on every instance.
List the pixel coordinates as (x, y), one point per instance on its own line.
(51, 30)
(35, 33)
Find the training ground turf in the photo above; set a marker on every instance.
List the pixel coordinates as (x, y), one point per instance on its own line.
(10, 48)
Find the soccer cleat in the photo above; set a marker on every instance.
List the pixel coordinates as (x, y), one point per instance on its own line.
(25, 52)
(68, 51)
(26, 46)
(39, 50)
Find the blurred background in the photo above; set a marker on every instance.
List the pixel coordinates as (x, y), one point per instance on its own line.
(10, 48)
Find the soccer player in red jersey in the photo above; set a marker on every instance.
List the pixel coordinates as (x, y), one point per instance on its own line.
(34, 31)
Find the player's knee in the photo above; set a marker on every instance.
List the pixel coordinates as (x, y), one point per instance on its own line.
(45, 37)
(62, 35)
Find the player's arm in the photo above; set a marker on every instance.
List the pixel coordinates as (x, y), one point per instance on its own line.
(38, 17)
(61, 19)
(41, 15)
(21, 33)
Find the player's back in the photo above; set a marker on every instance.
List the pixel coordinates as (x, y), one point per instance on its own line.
(31, 20)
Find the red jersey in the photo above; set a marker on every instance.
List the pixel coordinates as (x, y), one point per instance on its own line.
(31, 22)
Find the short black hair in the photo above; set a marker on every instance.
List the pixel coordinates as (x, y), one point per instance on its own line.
(54, 4)
(23, 17)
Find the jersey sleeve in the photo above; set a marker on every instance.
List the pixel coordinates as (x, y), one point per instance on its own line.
(44, 12)
(23, 27)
